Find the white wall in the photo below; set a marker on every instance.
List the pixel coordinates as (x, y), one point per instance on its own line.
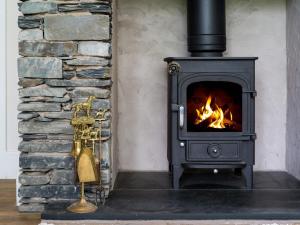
(148, 31)
(9, 89)
(2, 76)
(12, 33)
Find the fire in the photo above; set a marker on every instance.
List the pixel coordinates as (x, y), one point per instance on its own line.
(214, 117)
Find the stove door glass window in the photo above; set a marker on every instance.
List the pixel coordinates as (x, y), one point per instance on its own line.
(214, 107)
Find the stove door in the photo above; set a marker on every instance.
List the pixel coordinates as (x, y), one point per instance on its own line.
(214, 106)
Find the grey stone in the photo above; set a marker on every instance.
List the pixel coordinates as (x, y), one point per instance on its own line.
(27, 116)
(38, 7)
(32, 207)
(42, 91)
(79, 83)
(106, 153)
(62, 177)
(50, 191)
(106, 124)
(80, 92)
(91, 7)
(105, 175)
(65, 57)
(31, 35)
(60, 137)
(42, 119)
(33, 200)
(25, 170)
(68, 67)
(57, 115)
(69, 74)
(66, 98)
(94, 73)
(70, 89)
(24, 82)
(87, 61)
(34, 178)
(29, 137)
(39, 107)
(88, 27)
(42, 48)
(105, 148)
(40, 67)
(108, 115)
(94, 48)
(67, 106)
(46, 161)
(101, 104)
(62, 146)
(105, 133)
(54, 127)
(97, 104)
(29, 22)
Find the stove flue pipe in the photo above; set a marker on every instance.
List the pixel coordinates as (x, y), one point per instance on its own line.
(206, 27)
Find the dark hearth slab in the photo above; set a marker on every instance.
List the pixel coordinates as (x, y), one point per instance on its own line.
(148, 196)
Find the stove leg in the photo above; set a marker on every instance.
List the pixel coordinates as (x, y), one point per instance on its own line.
(238, 171)
(170, 167)
(248, 175)
(177, 172)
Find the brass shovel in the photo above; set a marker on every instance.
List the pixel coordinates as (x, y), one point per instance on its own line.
(86, 166)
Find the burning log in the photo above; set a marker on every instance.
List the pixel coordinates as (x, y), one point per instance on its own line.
(214, 118)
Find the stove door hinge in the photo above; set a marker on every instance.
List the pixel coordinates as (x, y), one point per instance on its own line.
(175, 107)
(252, 93)
(252, 136)
(173, 68)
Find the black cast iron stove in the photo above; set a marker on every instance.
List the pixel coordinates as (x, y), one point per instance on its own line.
(211, 100)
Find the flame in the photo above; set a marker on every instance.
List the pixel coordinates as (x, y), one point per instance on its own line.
(216, 118)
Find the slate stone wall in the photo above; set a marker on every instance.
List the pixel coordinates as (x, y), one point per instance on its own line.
(293, 88)
(65, 49)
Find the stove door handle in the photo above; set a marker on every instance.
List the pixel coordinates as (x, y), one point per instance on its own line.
(181, 116)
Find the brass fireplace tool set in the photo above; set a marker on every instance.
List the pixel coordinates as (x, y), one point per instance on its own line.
(87, 132)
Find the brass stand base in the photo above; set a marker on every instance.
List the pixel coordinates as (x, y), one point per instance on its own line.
(82, 206)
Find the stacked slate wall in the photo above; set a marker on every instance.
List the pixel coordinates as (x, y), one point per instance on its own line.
(65, 56)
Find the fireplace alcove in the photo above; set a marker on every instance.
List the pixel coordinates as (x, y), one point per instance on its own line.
(131, 193)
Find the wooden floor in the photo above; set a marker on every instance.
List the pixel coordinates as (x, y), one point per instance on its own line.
(9, 214)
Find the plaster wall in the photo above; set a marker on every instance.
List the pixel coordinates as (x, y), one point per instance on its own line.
(258, 28)
(148, 31)
(293, 84)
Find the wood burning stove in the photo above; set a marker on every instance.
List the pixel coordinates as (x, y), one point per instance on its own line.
(211, 99)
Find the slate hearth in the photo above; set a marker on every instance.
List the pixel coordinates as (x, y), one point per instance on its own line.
(149, 196)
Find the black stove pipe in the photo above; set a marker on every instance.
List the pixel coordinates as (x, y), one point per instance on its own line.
(206, 27)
